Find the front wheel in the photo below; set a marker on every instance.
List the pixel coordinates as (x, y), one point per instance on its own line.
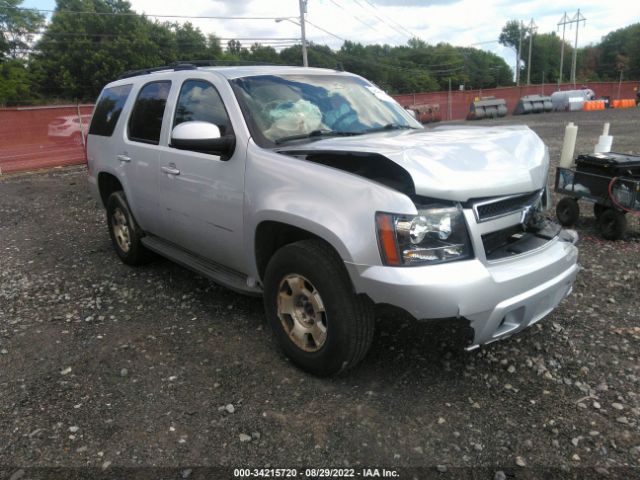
(317, 319)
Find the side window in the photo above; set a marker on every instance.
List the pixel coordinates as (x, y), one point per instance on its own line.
(200, 101)
(145, 122)
(108, 110)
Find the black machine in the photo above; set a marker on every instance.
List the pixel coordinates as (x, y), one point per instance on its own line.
(609, 180)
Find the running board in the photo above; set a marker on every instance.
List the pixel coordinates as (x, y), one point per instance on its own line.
(219, 274)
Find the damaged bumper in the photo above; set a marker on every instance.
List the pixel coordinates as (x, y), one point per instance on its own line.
(498, 298)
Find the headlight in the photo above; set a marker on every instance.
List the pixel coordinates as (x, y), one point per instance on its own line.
(436, 234)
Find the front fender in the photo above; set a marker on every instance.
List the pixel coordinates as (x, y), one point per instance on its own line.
(334, 205)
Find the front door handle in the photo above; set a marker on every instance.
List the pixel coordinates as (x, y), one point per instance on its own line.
(124, 158)
(171, 170)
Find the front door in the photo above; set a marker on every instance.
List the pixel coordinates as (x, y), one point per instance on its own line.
(201, 194)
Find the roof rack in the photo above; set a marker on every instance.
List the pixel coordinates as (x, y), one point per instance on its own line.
(174, 66)
(232, 63)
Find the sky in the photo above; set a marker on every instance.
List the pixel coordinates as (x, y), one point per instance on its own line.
(459, 22)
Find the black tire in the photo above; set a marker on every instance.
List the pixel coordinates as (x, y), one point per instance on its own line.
(598, 210)
(348, 318)
(117, 210)
(568, 211)
(613, 224)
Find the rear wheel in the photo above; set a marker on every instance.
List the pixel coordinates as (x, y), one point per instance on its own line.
(567, 211)
(319, 322)
(613, 224)
(124, 232)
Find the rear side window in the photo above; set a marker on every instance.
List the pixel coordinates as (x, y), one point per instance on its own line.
(200, 101)
(108, 110)
(145, 122)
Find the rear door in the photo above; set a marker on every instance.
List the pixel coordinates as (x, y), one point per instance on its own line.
(140, 152)
(201, 193)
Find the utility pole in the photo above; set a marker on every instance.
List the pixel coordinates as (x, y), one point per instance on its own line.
(449, 99)
(620, 84)
(519, 51)
(563, 21)
(303, 10)
(577, 19)
(532, 29)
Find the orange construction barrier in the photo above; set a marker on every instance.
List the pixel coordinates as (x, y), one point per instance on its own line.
(590, 105)
(624, 103)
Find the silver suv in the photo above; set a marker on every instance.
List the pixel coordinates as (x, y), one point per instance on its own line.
(316, 190)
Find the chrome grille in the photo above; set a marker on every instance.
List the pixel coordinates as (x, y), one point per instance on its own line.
(499, 207)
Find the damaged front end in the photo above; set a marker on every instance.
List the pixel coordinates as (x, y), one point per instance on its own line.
(371, 166)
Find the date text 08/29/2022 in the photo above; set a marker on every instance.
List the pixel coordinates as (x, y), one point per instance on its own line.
(315, 473)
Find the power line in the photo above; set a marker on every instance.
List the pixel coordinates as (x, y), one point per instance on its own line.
(485, 42)
(355, 16)
(124, 35)
(382, 20)
(325, 31)
(412, 35)
(135, 14)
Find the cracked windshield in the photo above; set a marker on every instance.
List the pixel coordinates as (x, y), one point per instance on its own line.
(290, 107)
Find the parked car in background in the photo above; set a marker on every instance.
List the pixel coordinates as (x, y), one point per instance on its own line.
(316, 190)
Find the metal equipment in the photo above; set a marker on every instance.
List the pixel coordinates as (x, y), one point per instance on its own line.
(611, 181)
(533, 104)
(426, 113)
(571, 100)
(487, 107)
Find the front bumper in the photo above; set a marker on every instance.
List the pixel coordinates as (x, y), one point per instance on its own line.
(499, 298)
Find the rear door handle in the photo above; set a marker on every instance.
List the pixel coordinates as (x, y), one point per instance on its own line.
(123, 158)
(171, 170)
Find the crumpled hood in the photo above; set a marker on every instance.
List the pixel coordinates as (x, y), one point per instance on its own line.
(456, 163)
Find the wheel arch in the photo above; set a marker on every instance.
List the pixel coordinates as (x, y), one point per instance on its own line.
(107, 184)
(272, 235)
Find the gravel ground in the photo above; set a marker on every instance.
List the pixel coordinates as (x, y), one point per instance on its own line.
(106, 366)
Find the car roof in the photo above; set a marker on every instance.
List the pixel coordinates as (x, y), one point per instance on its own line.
(249, 71)
(230, 73)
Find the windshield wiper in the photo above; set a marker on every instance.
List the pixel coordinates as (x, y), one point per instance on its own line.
(316, 134)
(390, 126)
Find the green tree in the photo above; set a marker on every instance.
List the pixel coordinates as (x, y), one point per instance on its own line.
(15, 84)
(79, 53)
(214, 49)
(234, 47)
(191, 43)
(545, 58)
(624, 43)
(262, 54)
(17, 29)
(514, 35)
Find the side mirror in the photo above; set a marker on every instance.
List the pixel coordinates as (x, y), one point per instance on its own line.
(202, 137)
